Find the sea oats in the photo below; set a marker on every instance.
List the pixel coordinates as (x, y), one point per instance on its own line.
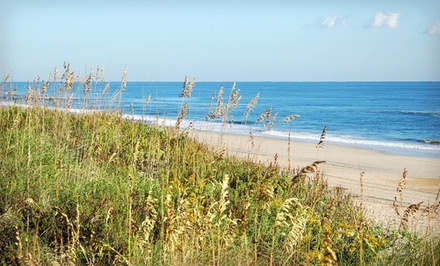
(219, 110)
(220, 106)
(87, 85)
(322, 138)
(431, 209)
(222, 154)
(313, 168)
(193, 82)
(268, 118)
(265, 115)
(252, 103)
(55, 74)
(5, 80)
(147, 101)
(45, 87)
(106, 89)
(234, 94)
(210, 104)
(187, 88)
(118, 94)
(54, 101)
(29, 94)
(220, 96)
(69, 77)
(182, 115)
(99, 75)
(396, 206)
(185, 82)
(401, 186)
(290, 118)
(132, 110)
(413, 208)
(11, 92)
(252, 139)
(191, 125)
(236, 102)
(69, 102)
(124, 78)
(232, 103)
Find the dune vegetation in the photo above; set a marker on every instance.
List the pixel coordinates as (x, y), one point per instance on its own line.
(92, 188)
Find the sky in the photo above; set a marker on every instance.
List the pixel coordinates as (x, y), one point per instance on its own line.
(278, 40)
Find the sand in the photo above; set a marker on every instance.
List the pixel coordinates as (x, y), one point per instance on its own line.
(343, 167)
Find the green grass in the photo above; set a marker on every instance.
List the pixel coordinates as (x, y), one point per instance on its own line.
(95, 189)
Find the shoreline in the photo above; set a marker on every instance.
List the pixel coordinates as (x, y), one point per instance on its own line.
(409, 147)
(342, 169)
(394, 151)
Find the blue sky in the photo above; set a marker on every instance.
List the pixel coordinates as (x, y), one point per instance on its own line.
(224, 40)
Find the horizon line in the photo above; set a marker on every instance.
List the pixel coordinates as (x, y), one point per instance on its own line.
(267, 81)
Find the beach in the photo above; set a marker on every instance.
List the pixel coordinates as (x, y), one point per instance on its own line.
(344, 165)
(342, 169)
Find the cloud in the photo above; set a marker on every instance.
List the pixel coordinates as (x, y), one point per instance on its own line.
(393, 18)
(329, 22)
(378, 20)
(332, 21)
(389, 20)
(434, 29)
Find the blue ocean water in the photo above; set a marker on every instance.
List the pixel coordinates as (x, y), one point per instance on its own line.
(394, 117)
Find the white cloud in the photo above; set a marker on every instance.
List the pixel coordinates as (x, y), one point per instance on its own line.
(393, 18)
(434, 29)
(329, 22)
(332, 21)
(379, 19)
(389, 20)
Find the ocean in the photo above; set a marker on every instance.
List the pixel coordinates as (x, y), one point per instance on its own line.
(394, 117)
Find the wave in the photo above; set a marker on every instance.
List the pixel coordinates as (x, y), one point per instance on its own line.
(415, 113)
(430, 141)
(423, 146)
(248, 122)
(356, 141)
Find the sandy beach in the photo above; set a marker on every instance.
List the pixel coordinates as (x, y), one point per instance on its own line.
(343, 167)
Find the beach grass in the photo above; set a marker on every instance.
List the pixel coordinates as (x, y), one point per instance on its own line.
(93, 188)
